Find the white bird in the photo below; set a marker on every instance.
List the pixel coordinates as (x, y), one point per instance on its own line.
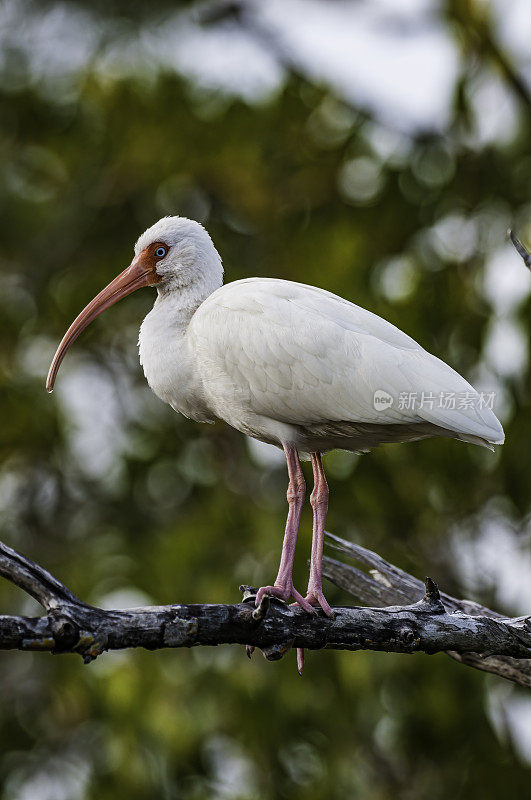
(285, 363)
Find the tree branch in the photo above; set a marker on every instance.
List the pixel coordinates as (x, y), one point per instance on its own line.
(386, 584)
(35, 580)
(521, 250)
(431, 623)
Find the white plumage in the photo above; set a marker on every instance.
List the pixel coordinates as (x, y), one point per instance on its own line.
(275, 353)
(279, 359)
(286, 363)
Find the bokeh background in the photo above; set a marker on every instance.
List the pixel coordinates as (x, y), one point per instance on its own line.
(378, 149)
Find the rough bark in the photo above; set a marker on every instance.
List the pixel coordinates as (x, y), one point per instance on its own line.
(424, 621)
(385, 584)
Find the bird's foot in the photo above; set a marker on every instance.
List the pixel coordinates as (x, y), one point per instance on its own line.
(300, 660)
(315, 597)
(284, 592)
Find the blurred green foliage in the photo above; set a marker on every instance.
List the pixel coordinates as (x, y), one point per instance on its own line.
(128, 503)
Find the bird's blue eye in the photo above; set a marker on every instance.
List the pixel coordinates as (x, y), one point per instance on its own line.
(160, 252)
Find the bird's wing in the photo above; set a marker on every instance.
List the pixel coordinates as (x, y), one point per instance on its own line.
(300, 355)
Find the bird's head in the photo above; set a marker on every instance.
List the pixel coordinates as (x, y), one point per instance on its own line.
(176, 255)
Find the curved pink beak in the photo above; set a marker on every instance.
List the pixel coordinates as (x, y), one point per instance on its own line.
(141, 272)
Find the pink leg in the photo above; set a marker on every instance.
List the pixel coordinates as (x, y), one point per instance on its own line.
(319, 501)
(283, 588)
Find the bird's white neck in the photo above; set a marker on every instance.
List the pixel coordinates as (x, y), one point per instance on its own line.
(163, 346)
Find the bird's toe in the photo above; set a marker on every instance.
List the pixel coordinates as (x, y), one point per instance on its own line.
(280, 592)
(302, 602)
(317, 598)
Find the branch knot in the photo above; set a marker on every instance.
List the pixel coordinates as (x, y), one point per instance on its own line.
(65, 632)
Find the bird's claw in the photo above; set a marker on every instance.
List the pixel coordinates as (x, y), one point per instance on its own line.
(316, 598)
(279, 592)
(283, 593)
(300, 660)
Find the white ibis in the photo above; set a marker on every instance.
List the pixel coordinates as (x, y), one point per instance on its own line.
(288, 364)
